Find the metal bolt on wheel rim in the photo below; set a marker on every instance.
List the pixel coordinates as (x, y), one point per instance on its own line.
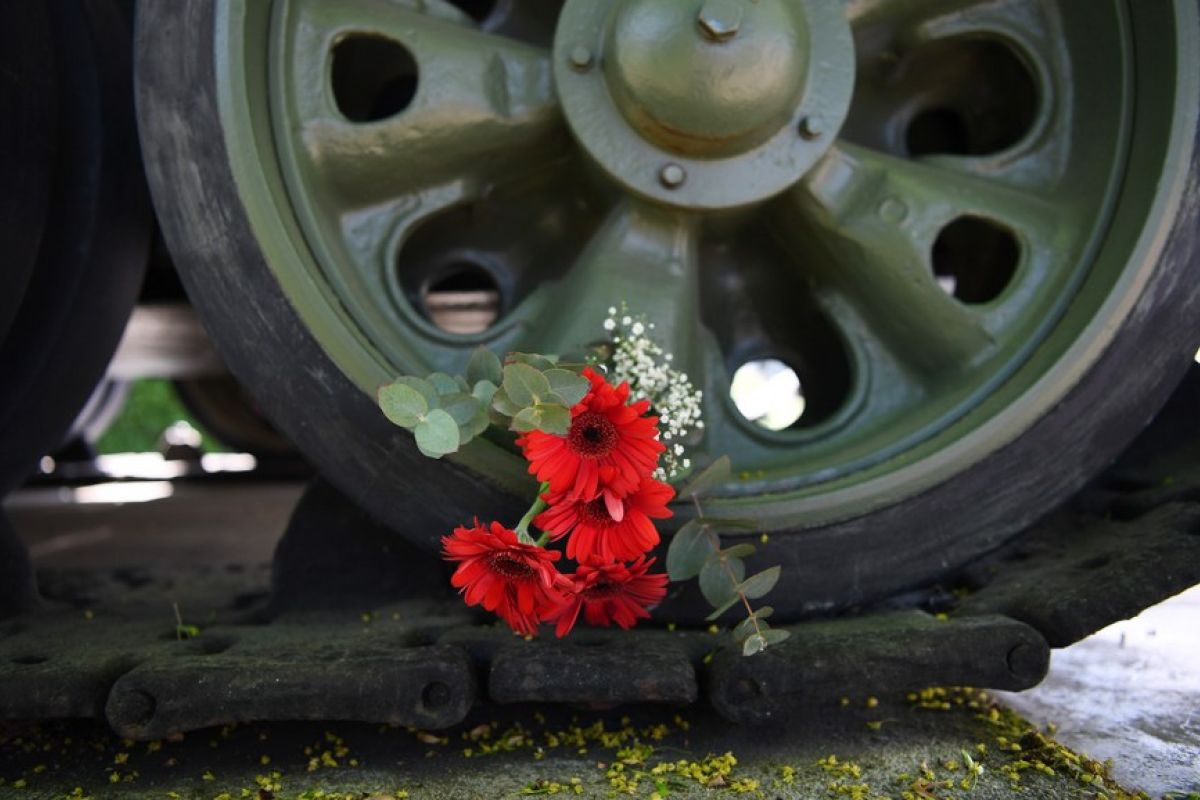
(956, 238)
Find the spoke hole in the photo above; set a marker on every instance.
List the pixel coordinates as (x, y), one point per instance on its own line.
(978, 98)
(768, 393)
(478, 10)
(373, 78)
(959, 96)
(463, 297)
(974, 259)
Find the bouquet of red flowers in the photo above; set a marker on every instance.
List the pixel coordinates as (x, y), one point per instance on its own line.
(603, 459)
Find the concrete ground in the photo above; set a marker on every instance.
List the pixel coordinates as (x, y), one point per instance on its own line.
(1130, 693)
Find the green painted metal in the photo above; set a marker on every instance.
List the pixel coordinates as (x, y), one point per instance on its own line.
(551, 165)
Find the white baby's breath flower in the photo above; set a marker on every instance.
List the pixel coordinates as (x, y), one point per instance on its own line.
(641, 362)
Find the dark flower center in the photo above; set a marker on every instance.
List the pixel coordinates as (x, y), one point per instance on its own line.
(596, 513)
(510, 568)
(592, 434)
(600, 590)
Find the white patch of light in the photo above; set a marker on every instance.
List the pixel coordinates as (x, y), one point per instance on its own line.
(767, 392)
(117, 492)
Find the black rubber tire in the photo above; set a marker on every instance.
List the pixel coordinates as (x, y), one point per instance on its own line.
(90, 262)
(28, 144)
(340, 429)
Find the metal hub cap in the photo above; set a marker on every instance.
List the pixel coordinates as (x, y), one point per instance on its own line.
(715, 92)
(714, 83)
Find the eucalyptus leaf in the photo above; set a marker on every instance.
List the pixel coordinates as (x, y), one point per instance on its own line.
(423, 386)
(714, 474)
(753, 645)
(567, 385)
(775, 635)
(690, 547)
(463, 385)
(721, 609)
(758, 585)
(539, 362)
(555, 419)
(747, 627)
(443, 384)
(460, 406)
(402, 405)
(505, 406)
(739, 551)
(715, 583)
(484, 391)
(437, 434)
(484, 366)
(528, 419)
(480, 422)
(524, 385)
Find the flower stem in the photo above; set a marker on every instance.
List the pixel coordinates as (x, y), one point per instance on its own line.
(539, 505)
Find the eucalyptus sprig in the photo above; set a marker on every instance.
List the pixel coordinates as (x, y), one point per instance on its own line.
(529, 392)
(696, 551)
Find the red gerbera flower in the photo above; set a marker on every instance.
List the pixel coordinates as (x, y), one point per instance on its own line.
(608, 528)
(610, 444)
(609, 593)
(497, 571)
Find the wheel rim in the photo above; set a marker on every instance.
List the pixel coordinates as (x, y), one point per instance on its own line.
(923, 384)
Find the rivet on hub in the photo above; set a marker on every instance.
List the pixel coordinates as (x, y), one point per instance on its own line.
(720, 19)
(581, 58)
(672, 176)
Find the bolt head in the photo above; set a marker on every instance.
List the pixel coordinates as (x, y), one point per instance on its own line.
(581, 57)
(672, 176)
(720, 19)
(811, 127)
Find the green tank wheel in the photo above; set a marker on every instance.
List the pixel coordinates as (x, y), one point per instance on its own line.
(966, 229)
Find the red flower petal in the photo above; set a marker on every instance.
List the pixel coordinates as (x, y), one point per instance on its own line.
(499, 573)
(608, 594)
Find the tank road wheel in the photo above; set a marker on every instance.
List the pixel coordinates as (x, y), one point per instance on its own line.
(967, 229)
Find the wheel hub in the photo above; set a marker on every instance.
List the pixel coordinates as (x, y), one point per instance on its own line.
(713, 83)
(704, 103)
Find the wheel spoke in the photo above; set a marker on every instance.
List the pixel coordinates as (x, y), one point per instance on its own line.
(865, 224)
(484, 105)
(643, 256)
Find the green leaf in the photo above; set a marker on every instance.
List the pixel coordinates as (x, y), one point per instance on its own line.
(437, 434)
(715, 584)
(480, 422)
(539, 362)
(721, 609)
(484, 366)
(463, 385)
(739, 551)
(423, 386)
(402, 405)
(758, 585)
(443, 384)
(460, 406)
(775, 635)
(754, 644)
(505, 406)
(524, 385)
(571, 388)
(484, 391)
(526, 420)
(714, 474)
(555, 419)
(746, 627)
(690, 547)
